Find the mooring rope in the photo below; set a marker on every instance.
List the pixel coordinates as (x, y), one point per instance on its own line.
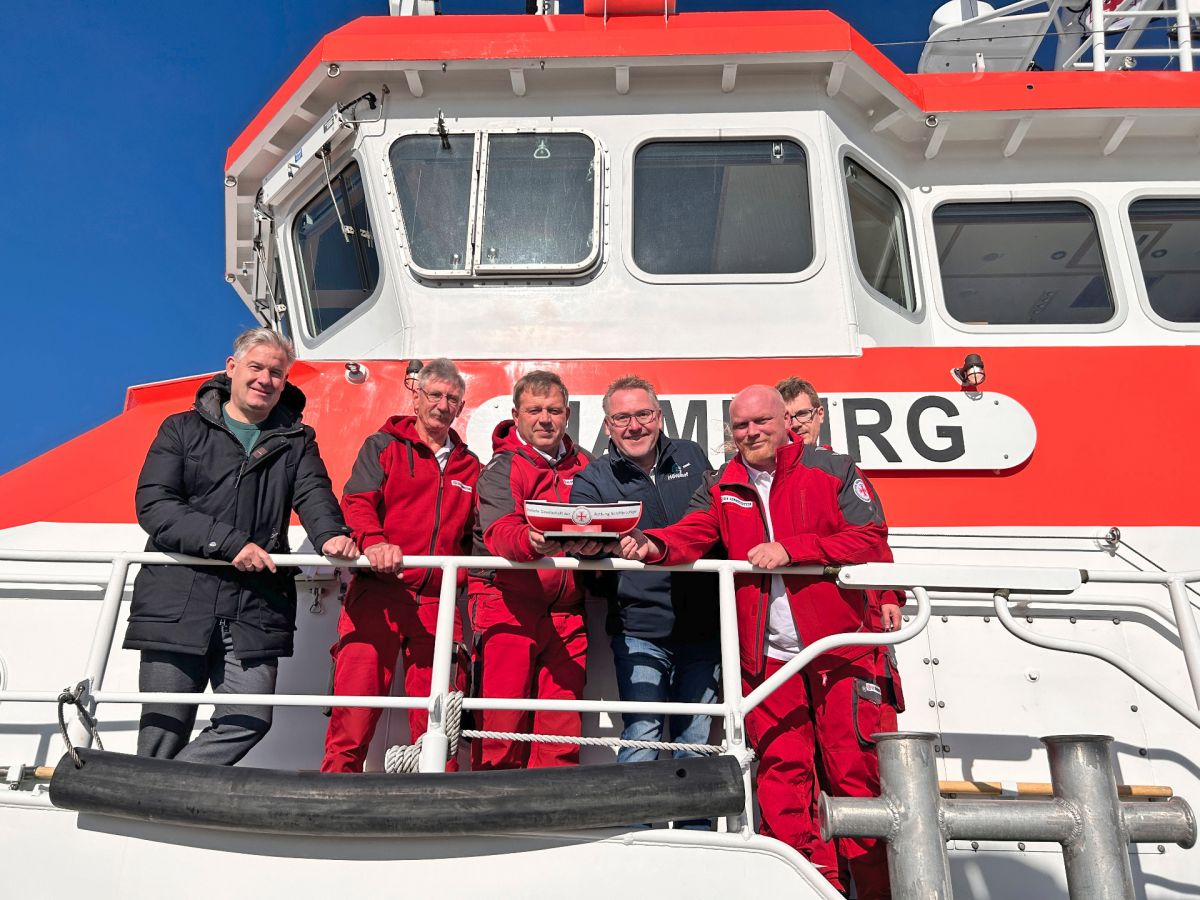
(406, 758)
(74, 696)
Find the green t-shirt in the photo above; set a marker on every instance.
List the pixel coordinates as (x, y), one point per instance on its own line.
(246, 433)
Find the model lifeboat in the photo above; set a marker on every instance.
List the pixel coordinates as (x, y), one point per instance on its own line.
(602, 521)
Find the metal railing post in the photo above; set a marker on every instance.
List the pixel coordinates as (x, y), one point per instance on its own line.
(1097, 36)
(917, 857)
(731, 690)
(1093, 826)
(102, 638)
(1183, 34)
(1189, 636)
(1097, 856)
(435, 745)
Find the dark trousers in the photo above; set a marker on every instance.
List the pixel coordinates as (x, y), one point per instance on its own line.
(164, 728)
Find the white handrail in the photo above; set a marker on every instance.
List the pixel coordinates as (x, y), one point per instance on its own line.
(1041, 583)
(1051, 580)
(1075, 40)
(1154, 686)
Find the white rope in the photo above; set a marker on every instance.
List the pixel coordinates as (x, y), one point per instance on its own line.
(593, 741)
(407, 758)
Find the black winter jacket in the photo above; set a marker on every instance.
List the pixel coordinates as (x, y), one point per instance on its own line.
(200, 494)
(653, 605)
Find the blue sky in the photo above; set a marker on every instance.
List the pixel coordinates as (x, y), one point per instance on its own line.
(119, 114)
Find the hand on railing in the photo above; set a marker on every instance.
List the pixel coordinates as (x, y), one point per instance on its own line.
(385, 559)
(341, 548)
(253, 558)
(637, 547)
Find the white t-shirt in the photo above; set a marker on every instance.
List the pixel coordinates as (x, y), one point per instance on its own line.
(442, 453)
(782, 640)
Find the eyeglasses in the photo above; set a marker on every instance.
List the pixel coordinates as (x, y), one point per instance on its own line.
(436, 397)
(643, 416)
(803, 415)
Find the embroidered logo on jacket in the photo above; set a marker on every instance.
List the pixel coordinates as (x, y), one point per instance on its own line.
(737, 501)
(860, 490)
(462, 487)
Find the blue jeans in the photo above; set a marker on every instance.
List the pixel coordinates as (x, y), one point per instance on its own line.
(665, 670)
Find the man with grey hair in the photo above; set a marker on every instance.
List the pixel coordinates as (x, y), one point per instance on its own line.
(412, 490)
(663, 625)
(220, 481)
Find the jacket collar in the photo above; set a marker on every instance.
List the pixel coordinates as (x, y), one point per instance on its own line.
(284, 418)
(662, 453)
(505, 437)
(787, 458)
(404, 428)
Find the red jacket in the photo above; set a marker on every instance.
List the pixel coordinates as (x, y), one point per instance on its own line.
(516, 473)
(396, 494)
(824, 512)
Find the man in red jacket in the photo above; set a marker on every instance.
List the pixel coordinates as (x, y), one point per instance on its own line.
(529, 629)
(784, 503)
(412, 490)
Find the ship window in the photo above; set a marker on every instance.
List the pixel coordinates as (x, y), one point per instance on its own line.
(1167, 233)
(539, 208)
(530, 204)
(434, 180)
(338, 264)
(880, 238)
(1022, 263)
(721, 207)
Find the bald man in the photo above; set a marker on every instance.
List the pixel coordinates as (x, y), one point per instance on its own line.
(785, 503)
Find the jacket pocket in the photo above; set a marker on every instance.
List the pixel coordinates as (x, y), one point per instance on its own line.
(866, 702)
(891, 677)
(270, 604)
(161, 593)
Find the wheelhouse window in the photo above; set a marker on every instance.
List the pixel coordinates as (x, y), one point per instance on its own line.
(490, 204)
(1022, 263)
(738, 207)
(539, 208)
(1167, 234)
(335, 245)
(880, 237)
(434, 181)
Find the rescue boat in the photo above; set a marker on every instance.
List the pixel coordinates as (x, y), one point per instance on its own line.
(975, 264)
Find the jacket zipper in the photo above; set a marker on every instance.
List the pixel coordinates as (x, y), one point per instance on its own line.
(562, 576)
(764, 603)
(437, 517)
(791, 612)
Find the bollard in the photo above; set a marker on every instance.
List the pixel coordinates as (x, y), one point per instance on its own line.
(1086, 816)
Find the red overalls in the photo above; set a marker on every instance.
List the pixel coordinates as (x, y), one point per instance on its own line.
(530, 637)
(397, 493)
(823, 512)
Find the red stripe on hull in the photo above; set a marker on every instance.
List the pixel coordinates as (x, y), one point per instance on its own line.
(1115, 431)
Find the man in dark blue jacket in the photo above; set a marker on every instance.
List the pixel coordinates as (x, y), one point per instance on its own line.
(664, 626)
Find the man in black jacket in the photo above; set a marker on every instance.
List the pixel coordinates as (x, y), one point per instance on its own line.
(664, 626)
(220, 481)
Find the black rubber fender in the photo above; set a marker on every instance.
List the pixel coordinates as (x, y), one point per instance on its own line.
(379, 805)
